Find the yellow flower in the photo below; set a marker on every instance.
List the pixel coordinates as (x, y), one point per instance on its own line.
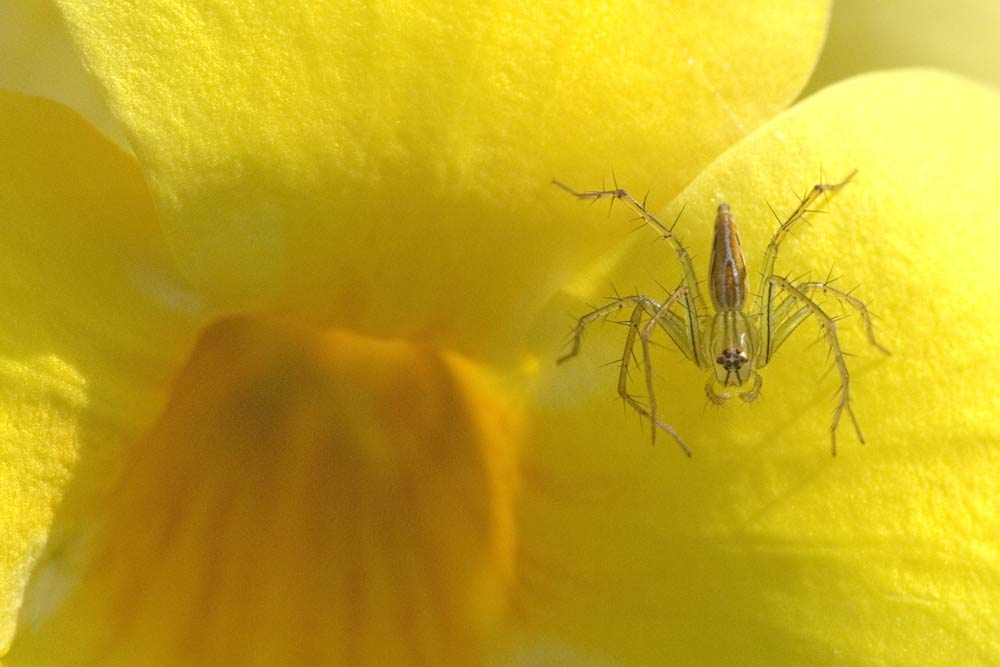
(279, 389)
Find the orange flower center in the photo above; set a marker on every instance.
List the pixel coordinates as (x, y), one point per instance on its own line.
(307, 497)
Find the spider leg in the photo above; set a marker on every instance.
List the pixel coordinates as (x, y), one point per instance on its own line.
(789, 314)
(660, 316)
(634, 330)
(645, 334)
(765, 302)
(753, 392)
(693, 303)
(854, 302)
(612, 307)
(714, 398)
(679, 329)
(829, 328)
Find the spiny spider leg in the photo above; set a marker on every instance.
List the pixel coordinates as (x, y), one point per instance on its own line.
(643, 306)
(693, 304)
(650, 413)
(787, 321)
(645, 335)
(765, 298)
(829, 328)
(801, 210)
(644, 303)
(856, 303)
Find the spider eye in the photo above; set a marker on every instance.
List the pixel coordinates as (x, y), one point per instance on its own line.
(732, 359)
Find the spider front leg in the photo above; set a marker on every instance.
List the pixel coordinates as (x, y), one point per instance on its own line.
(829, 328)
(693, 303)
(765, 302)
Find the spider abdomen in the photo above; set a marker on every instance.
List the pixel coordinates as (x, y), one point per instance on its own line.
(727, 275)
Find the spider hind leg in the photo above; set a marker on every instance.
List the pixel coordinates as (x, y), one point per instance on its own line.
(828, 327)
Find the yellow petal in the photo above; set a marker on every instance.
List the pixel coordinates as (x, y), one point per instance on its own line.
(306, 498)
(866, 36)
(388, 169)
(39, 58)
(93, 319)
(762, 549)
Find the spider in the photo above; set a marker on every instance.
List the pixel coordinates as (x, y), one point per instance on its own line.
(727, 340)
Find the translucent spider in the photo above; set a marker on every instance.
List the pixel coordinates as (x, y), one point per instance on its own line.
(727, 341)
